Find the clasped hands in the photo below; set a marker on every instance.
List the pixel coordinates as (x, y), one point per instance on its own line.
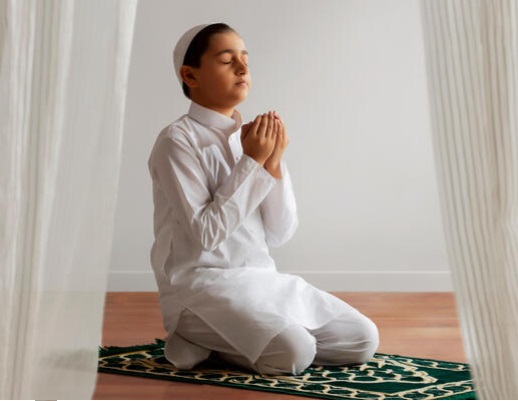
(264, 140)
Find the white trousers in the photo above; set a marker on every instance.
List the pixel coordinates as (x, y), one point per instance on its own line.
(350, 339)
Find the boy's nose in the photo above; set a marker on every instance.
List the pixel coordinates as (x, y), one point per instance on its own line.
(241, 68)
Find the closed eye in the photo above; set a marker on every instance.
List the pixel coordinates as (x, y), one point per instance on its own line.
(231, 61)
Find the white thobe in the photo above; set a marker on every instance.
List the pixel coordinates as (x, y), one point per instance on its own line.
(216, 213)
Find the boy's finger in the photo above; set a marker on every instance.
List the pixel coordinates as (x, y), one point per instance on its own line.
(271, 125)
(255, 125)
(263, 125)
(278, 128)
(245, 130)
(281, 126)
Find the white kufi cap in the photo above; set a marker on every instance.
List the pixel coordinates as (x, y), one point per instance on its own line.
(181, 48)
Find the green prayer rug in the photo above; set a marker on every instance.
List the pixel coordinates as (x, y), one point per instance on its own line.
(385, 376)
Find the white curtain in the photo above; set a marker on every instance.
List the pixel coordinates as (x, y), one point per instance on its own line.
(471, 49)
(63, 75)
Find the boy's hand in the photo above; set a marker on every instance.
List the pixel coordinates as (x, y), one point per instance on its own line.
(273, 163)
(259, 137)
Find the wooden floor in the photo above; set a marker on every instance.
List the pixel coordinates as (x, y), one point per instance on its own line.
(416, 324)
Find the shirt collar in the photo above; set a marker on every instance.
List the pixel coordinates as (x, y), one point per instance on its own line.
(214, 119)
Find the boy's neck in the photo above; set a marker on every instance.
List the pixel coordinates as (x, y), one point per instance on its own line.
(227, 111)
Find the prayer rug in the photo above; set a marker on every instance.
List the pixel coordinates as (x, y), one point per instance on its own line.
(385, 376)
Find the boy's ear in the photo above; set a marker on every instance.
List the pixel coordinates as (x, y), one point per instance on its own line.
(188, 75)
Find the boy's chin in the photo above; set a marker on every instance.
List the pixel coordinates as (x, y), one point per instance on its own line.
(238, 99)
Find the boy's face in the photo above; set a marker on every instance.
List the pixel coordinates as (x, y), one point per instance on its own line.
(223, 79)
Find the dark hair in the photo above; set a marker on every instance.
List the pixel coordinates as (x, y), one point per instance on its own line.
(199, 45)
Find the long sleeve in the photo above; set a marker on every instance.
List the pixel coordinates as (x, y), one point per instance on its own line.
(211, 218)
(279, 211)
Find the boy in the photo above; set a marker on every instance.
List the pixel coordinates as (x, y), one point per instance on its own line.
(222, 195)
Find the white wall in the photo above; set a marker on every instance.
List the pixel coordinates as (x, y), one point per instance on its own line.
(348, 77)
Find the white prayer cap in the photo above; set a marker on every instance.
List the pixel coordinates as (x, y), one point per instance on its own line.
(181, 48)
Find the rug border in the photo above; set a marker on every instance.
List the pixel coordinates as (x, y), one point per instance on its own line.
(235, 385)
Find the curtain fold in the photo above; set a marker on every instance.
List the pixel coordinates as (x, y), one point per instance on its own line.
(63, 76)
(471, 52)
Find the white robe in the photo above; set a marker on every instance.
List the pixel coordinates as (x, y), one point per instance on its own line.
(216, 213)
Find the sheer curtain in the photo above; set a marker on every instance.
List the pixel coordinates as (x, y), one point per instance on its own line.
(471, 49)
(63, 74)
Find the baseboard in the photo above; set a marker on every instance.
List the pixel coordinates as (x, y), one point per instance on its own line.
(348, 281)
